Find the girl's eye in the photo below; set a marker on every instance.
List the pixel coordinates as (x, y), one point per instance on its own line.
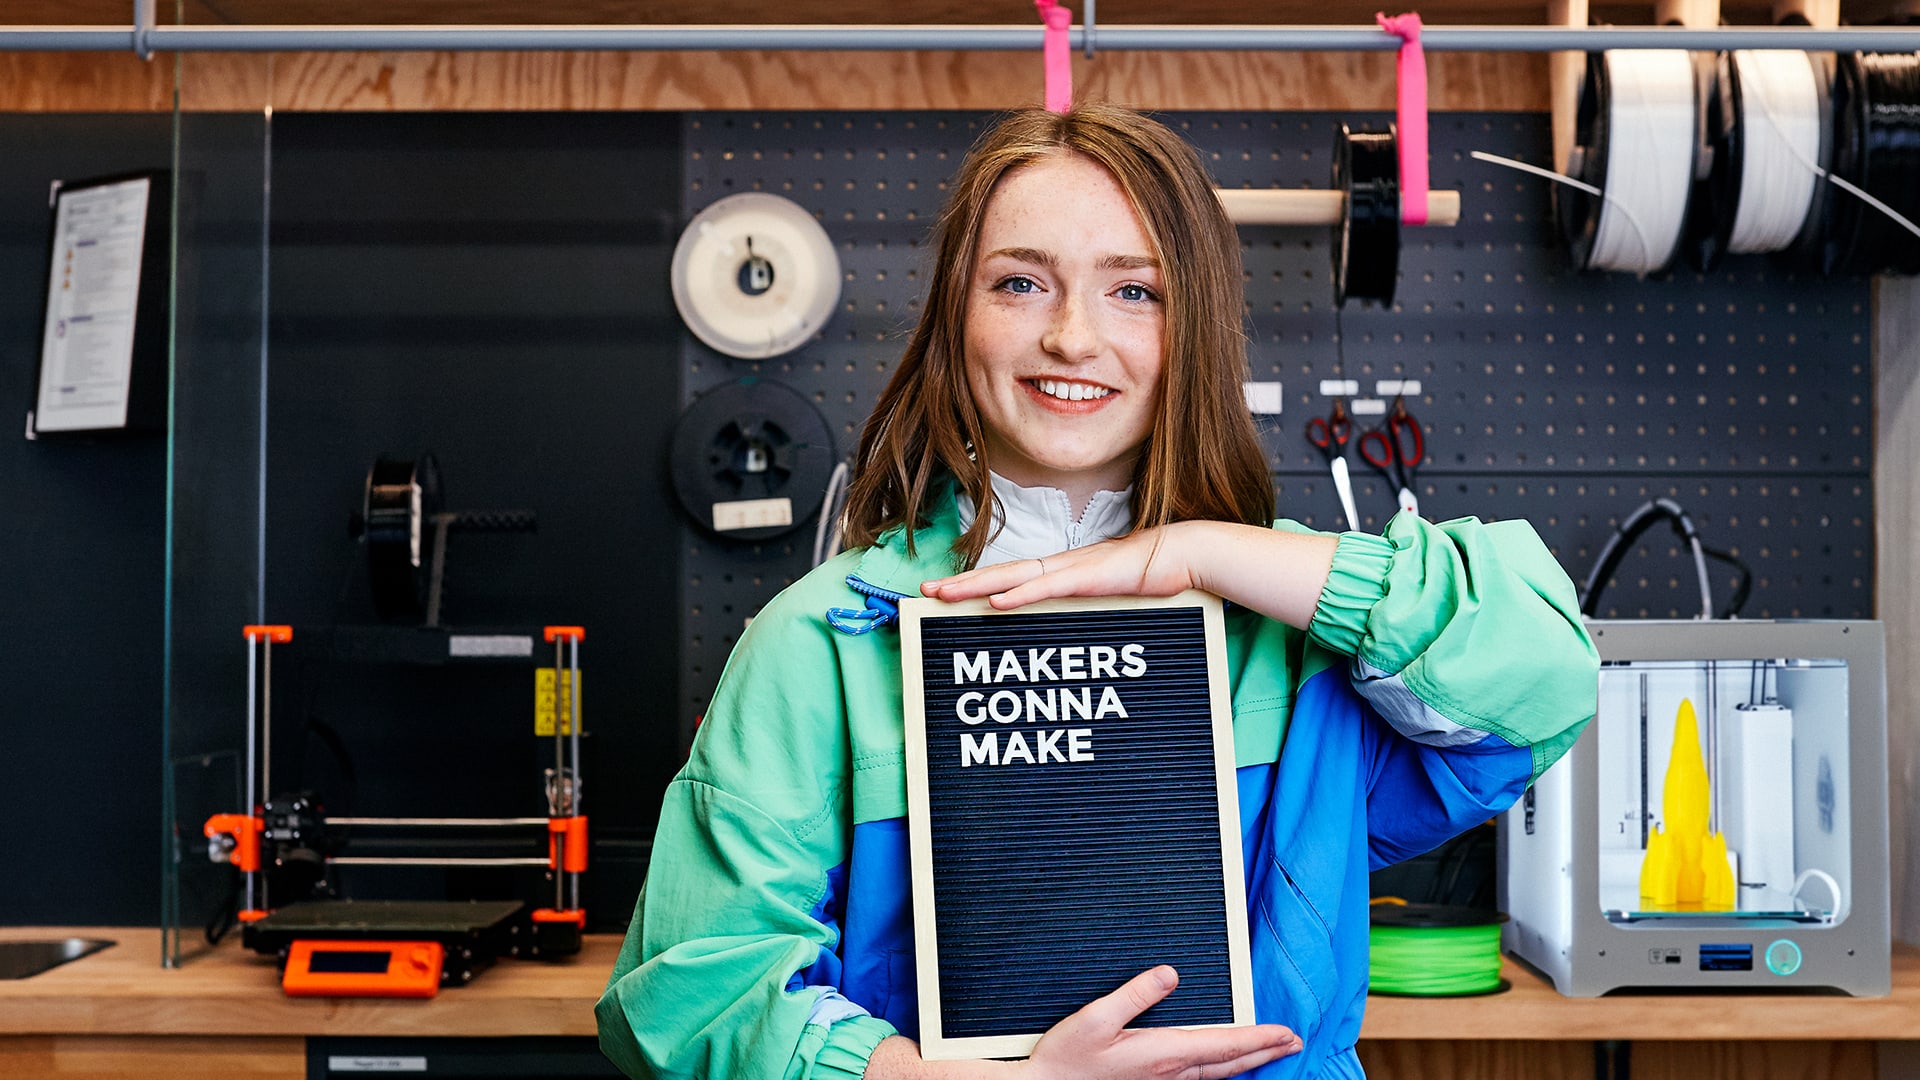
(1016, 284)
(1136, 293)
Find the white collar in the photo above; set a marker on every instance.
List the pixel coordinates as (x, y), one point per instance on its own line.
(1038, 521)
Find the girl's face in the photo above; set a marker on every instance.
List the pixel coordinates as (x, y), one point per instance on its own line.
(1063, 329)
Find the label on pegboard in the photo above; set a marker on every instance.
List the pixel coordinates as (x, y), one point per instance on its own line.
(543, 702)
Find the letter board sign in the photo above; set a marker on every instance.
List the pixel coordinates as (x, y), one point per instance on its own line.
(1072, 813)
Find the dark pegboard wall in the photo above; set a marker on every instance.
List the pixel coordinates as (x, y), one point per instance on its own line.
(1564, 398)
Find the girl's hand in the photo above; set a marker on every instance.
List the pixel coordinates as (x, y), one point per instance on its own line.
(1278, 574)
(1151, 562)
(1094, 1042)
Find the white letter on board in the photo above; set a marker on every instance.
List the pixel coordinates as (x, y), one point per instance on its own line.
(1037, 704)
(970, 670)
(1039, 661)
(979, 749)
(1080, 744)
(1100, 662)
(1016, 747)
(1050, 744)
(1009, 668)
(1013, 706)
(1073, 662)
(970, 698)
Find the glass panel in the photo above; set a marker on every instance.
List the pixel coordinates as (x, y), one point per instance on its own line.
(1718, 782)
(215, 498)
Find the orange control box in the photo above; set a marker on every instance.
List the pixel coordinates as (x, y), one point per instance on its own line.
(363, 969)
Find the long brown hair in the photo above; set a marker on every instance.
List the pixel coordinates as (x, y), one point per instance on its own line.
(1202, 459)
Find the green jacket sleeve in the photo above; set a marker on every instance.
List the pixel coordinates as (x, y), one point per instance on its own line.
(707, 982)
(1460, 631)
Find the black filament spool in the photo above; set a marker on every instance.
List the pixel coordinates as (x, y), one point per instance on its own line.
(1876, 104)
(396, 522)
(1366, 242)
(1716, 199)
(747, 440)
(1575, 211)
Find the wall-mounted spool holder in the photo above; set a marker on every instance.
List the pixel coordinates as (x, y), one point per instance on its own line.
(754, 276)
(751, 459)
(1379, 182)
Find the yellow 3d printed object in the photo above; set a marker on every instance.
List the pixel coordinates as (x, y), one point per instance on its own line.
(1686, 866)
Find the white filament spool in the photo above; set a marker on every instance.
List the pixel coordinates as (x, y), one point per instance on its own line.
(1651, 132)
(1779, 125)
(755, 276)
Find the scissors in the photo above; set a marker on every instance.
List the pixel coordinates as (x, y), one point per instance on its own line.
(1330, 435)
(1396, 448)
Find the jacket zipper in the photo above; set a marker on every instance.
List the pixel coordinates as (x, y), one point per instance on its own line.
(883, 608)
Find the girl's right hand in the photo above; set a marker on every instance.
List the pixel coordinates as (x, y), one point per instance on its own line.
(1095, 1042)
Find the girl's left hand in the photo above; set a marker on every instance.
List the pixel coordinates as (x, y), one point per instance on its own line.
(1152, 562)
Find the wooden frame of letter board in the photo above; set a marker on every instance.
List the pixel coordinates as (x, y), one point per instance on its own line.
(934, 1044)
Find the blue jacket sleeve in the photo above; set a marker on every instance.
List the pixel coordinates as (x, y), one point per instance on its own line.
(1468, 648)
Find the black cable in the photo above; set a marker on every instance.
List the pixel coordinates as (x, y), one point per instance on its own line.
(1617, 546)
(1739, 598)
(226, 914)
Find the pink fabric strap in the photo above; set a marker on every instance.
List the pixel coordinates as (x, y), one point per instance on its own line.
(1054, 54)
(1412, 107)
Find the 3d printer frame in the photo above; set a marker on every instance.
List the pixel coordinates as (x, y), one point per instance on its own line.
(245, 839)
(1551, 859)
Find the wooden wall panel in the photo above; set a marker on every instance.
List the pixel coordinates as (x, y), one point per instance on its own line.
(1424, 1059)
(84, 82)
(381, 82)
(1753, 1060)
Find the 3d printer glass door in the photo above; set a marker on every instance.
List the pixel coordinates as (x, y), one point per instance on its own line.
(1718, 783)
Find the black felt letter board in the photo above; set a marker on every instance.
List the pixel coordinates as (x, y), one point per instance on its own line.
(1070, 790)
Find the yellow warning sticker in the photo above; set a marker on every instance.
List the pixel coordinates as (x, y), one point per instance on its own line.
(543, 702)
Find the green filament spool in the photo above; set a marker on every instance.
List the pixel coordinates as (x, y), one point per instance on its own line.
(1431, 950)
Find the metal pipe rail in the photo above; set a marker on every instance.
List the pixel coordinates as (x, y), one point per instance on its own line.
(143, 39)
(438, 822)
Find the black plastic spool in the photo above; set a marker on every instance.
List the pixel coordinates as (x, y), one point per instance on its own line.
(1366, 242)
(1431, 916)
(400, 540)
(1876, 107)
(751, 439)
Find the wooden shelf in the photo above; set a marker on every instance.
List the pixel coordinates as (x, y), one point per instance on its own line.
(227, 990)
(1534, 1010)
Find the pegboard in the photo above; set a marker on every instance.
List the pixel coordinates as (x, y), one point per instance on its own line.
(1564, 398)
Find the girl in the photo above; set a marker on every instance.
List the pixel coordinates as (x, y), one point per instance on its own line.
(1068, 421)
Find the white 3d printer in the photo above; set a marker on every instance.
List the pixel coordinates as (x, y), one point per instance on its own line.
(1721, 823)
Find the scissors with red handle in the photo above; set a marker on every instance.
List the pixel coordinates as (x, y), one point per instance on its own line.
(1330, 435)
(1396, 448)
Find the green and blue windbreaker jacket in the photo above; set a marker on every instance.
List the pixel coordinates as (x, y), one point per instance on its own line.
(1444, 669)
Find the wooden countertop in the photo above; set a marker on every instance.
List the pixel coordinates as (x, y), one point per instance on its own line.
(229, 991)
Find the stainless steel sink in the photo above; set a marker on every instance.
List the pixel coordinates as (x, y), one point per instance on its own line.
(25, 959)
